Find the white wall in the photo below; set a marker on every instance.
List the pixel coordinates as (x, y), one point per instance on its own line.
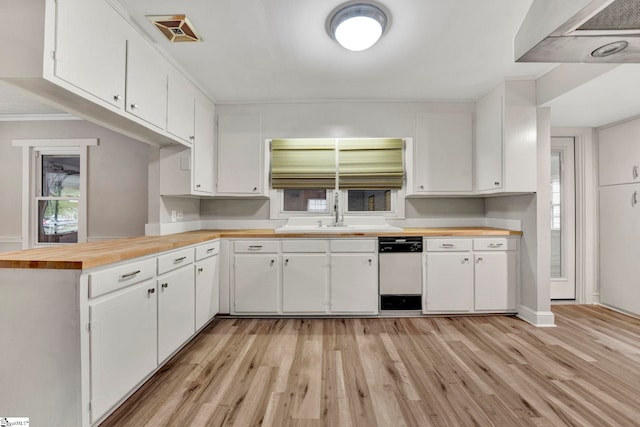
(117, 179)
(344, 120)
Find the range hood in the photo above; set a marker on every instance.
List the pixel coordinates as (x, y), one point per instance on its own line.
(580, 31)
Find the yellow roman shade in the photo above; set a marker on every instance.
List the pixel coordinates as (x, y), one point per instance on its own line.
(361, 163)
(370, 164)
(303, 163)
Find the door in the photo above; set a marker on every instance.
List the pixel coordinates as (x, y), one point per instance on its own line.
(495, 281)
(123, 344)
(354, 283)
(176, 310)
(255, 283)
(449, 282)
(304, 283)
(207, 290)
(563, 220)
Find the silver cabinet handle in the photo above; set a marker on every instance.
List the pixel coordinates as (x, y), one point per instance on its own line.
(496, 183)
(255, 188)
(200, 270)
(447, 245)
(177, 260)
(634, 198)
(151, 291)
(255, 247)
(370, 261)
(129, 275)
(286, 261)
(197, 185)
(495, 245)
(164, 285)
(634, 171)
(466, 259)
(134, 106)
(210, 250)
(117, 97)
(273, 261)
(479, 259)
(192, 137)
(422, 187)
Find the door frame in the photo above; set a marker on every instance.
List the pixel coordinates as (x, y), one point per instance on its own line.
(586, 212)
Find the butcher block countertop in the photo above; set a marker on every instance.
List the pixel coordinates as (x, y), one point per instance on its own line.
(88, 255)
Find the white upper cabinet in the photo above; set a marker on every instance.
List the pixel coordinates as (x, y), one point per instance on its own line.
(240, 156)
(506, 139)
(180, 107)
(90, 52)
(146, 95)
(619, 154)
(190, 171)
(442, 157)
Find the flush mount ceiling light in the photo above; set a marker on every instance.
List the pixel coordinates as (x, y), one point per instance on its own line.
(357, 26)
(176, 28)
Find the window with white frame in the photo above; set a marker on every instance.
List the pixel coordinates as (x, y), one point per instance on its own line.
(54, 191)
(367, 175)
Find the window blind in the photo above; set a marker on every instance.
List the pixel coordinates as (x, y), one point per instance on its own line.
(303, 163)
(370, 164)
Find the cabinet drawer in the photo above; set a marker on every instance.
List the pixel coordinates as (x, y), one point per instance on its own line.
(111, 279)
(263, 246)
(207, 250)
(495, 244)
(304, 245)
(443, 245)
(353, 245)
(174, 260)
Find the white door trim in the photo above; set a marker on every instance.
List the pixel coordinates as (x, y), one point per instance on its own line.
(586, 212)
(564, 287)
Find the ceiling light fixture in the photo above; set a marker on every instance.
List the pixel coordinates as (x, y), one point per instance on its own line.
(610, 49)
(357, 26)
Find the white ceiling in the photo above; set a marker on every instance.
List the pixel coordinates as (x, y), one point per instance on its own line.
(434, 50)
(279, 50)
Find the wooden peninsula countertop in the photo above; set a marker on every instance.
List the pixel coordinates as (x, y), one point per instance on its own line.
(88, 255)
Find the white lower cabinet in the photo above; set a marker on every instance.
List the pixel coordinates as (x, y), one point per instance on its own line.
(471, 275)
(256, 283)
(176, 311)
(495, 278)
(123, 344)
(354, 283)
(304, 283)
(449, 282)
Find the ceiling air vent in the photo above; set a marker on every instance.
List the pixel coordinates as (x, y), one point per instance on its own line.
(176, 28)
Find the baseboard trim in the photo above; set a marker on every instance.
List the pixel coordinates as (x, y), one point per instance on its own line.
(541, 319)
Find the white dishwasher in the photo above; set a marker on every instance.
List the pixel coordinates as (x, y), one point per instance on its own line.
(400, 275)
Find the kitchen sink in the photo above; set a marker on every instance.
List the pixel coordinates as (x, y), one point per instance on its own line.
(327, 225)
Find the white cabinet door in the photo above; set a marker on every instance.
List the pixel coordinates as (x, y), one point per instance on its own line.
(304, 283)
(255, 287)
(443, 153)
(203, 158)
(240, 160)
(176, 310)
(449, 286)
(123, 342)
(354, 283)
(91, 46)
(495, 281)
(619, 154)
(207, 290)
(488, 142)
(146, 83)
(180, 106)
(619, 249)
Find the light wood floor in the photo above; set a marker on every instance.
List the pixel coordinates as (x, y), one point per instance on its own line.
(465, 371)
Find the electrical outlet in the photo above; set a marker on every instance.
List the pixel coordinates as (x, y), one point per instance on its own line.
(180, 216)
(173, 216)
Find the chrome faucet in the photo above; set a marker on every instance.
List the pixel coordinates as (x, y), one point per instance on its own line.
(338, 222)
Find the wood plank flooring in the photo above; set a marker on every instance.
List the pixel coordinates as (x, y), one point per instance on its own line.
(447, 371)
